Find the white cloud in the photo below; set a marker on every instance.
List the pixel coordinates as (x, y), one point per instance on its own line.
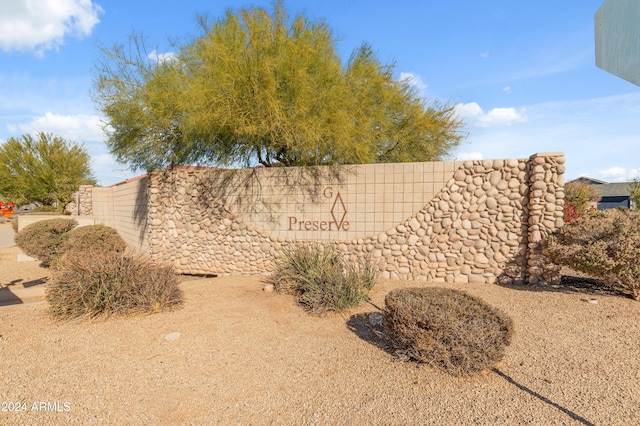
(615, 174)
(595, 134)
(506, 89)
(40, 25)
(81, 129)
(77, 128)
(413, 80)
(497, 116)
(162, 57)
(464, 156)
(471, 109)
(484, 55)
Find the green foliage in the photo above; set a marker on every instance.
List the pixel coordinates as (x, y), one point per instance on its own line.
(105, 284)
(447, 328)
(604, 244)
(578, 191)
(322, 280)
(85, 240)
(46, 209)
(257, 87)
(579, 196)
(634, 196)
(45, 169)
(42, 239)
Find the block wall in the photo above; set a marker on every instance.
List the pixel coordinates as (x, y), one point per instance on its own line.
(125, 208)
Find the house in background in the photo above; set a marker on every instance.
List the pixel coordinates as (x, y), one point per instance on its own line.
(613, 194)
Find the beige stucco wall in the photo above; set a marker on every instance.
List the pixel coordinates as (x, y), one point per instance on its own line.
(326, 203)
(27, 219)
(124, 208)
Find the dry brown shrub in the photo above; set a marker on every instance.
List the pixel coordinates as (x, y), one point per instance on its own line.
(91, 238)
(604, 244)
(105, 284)
(447, 328)
(322, 279)
(42, 239)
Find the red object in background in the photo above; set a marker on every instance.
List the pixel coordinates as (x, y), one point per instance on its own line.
(572, 211)
(7, 210)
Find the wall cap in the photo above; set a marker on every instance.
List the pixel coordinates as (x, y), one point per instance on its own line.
(547, 154)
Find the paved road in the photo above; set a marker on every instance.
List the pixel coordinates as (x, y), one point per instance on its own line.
(6, 235)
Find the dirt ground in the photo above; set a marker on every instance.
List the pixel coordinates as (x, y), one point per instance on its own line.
(235, 354)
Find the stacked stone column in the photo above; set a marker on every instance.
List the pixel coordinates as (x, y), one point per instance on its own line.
(545, 213)
(82, 203)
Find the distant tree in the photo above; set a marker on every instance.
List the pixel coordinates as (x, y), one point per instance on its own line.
(257, 89)
(579, 197)
(45, 169)
(634, 196)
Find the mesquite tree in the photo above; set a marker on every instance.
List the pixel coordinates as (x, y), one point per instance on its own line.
(259, 88)
(46, 169)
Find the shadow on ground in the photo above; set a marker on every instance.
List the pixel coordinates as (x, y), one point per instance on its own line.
(7, 297)
(370, 327)
(572, 284)
(11, 292)
(27, 284)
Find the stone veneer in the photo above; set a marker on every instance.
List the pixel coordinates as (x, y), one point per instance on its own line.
(82, 203)
(483, 222)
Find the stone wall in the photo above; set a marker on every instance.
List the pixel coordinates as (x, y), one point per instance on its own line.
(482, 222)
(82, 203)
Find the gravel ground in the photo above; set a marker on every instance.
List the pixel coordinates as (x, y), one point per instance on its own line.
(244, 356)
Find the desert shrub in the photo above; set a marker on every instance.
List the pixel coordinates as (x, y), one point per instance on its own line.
(92, 238)
(14, 224)
(604, 244)
(106, 284)
(572, 211)
(634, 193)
(322, 280)
(579, 198)
(46, 209)
(447, 328)
(42, 239)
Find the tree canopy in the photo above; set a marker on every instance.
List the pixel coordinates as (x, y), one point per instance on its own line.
(259, 88)
(45, 169)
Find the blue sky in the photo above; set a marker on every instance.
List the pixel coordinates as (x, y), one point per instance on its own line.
(522, 74)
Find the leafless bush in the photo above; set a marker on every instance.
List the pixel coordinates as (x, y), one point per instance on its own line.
(42, 239)
(111, 283)
(447, 328)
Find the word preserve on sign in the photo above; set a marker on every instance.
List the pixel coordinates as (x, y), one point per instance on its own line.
(337, 221)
